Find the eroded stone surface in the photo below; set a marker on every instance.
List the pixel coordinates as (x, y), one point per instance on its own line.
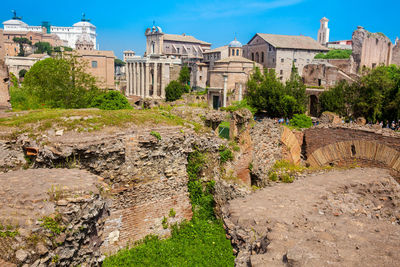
(67, 198)
(340, 218)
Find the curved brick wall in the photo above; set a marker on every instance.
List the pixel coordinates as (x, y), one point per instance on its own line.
(327, 145)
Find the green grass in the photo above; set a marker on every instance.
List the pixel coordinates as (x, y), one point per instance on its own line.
(38, 121)
(199, 242)
(284, 171)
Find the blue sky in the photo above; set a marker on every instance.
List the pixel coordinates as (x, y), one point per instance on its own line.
(121, 24)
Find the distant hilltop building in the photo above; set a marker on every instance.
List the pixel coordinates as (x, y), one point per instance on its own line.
(323, 32)
(68, 35)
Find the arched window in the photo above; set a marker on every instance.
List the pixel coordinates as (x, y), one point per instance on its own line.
(237, 52)
(152, 47)
(262, 57)
(252, 56)
(257, 57)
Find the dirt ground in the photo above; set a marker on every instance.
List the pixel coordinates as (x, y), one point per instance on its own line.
(339, 218)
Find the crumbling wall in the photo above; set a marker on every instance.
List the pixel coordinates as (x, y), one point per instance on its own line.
(51, 218)
(4, 80)
(396, 54)
(370, 49)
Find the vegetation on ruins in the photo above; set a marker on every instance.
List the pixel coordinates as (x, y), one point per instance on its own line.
(175, 89)
(301, 121)
(21, 41)
(22, 73)
(184, 75)
(284, 171)
(43, 47)
(156, 135)
(119, 63)
(111, 100)
(268, 94)
(55, 83)
(237, 105)
(199, 242)
(335, 54)
(375, 96)
(225, 154)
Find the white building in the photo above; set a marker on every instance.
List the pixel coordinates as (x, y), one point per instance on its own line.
(69, 35)
(323, 32)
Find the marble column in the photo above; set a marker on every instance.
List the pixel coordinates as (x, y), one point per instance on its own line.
(147, 80)
(134, 89)
(138, 79)
(142, 79)
(155, 78)
(240, 92)
(128, 84)
(225, 89)
(163, 78)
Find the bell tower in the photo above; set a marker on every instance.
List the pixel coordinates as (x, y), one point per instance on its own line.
(323, 32)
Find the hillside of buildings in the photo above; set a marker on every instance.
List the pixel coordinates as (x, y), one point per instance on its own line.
(284, 151)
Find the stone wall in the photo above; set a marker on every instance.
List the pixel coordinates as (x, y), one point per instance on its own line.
(57, 217)
(4, 80)
(370, 49)
(147, 176)
(396, 54)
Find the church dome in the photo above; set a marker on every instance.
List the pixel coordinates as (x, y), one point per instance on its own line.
(84, 24)
(15, 22)
(235, 43)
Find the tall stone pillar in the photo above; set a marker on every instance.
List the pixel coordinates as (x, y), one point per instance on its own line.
(147, 81)
(164, 74)
(138, 87)
(240, 92)
(128, 81)
(225, 89)
(142, 79)
(134, 88)
(155, 85)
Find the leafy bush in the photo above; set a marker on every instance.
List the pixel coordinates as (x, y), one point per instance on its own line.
(225, 154)
(335, 54)
(301, 121)
(174, 91)
(111, 100)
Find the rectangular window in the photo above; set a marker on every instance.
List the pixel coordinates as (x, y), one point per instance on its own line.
(94, 64)
(295, 60)
(281, 72)
(282, 60)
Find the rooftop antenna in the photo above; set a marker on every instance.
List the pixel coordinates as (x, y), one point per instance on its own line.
(15, 15)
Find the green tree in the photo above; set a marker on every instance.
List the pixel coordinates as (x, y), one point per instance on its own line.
(266, 93)
(174, 91)
(21, 41)
(184, 75)
(22, 73)
(119, 63)
(43, 47)
(60, 83)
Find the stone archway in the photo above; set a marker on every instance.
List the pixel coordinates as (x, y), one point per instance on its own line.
(346, 151)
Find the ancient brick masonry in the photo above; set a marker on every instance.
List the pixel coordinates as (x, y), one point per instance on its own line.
(330, 145)
(28, 197)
